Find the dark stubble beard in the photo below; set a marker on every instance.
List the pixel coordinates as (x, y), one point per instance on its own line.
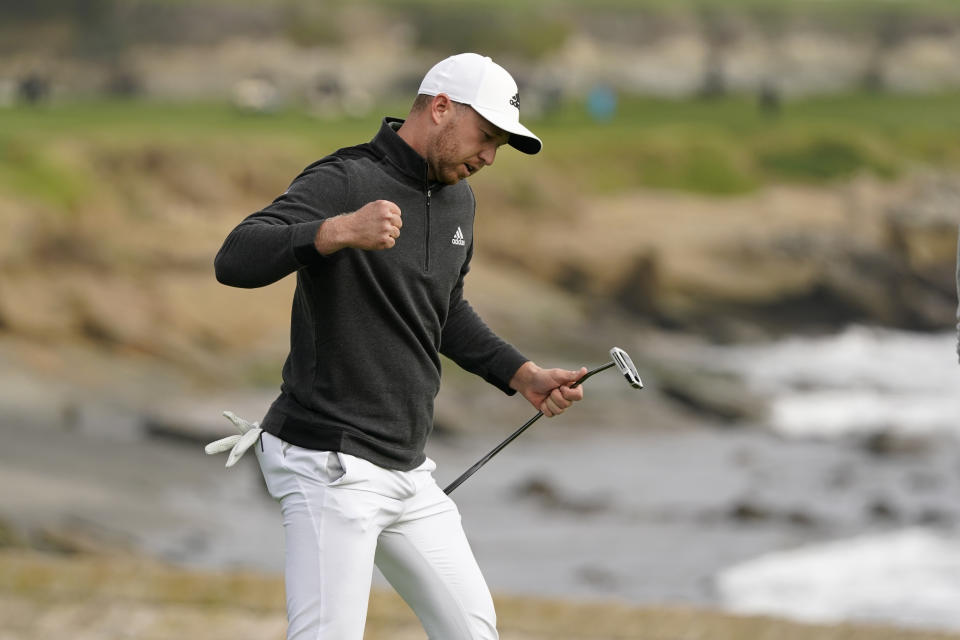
(445, 151)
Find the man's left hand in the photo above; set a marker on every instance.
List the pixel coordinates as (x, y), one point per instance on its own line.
(548, 389)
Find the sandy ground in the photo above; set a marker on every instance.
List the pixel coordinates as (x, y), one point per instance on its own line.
(116, 597)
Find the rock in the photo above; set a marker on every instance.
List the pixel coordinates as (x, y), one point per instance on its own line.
(750, 512)
(598, 577)
(890, 443)
(721, 396)
(744, 511)
(200, 420)
(881, 510)
(549, 497)
(934, 517)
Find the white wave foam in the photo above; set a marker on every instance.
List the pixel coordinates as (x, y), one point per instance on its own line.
(861, 380)
(909, 577)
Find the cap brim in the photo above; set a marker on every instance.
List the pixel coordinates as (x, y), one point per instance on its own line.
(521, 138)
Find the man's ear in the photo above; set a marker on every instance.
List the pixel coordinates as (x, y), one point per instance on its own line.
(440, 108)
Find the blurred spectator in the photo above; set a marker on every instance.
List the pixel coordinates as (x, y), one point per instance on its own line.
(326, 96)
(602, 103)
(124, 83)
(551, 98)
(34, 88)
(714, 83)
(768, 99)
(256, 95)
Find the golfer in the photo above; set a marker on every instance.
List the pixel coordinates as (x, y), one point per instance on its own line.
(380, 236)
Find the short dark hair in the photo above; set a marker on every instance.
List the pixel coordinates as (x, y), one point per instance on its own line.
(420, 102)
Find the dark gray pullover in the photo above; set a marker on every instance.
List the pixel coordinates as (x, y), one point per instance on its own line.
(367, 327)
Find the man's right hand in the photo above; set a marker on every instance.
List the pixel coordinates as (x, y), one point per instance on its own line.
(374, 226)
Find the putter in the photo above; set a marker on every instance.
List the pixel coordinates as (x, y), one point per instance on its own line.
(620, 360)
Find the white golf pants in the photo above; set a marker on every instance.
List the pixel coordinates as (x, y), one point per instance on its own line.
(342, 514)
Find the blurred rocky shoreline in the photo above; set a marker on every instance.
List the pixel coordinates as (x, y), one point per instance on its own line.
(786, 260)
(345, 58)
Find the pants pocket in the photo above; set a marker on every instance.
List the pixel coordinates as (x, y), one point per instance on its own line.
(325, 467)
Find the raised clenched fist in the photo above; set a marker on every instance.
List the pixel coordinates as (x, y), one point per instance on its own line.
(373, 227)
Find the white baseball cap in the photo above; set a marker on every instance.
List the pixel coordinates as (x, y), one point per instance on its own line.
(478, 81)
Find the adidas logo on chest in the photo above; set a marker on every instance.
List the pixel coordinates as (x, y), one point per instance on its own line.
(458, 238)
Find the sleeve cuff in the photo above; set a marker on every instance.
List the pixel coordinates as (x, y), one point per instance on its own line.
(504, 367)
(304, 235)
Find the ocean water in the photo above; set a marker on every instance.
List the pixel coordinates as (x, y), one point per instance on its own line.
(858, 382)
(863, 380)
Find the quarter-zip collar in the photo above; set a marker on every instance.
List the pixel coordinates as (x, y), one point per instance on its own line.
(401, 155)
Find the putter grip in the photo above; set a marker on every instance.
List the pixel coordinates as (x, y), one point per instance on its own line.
(590, 373)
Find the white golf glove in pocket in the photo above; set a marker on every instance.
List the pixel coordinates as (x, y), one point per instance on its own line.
(236, 444)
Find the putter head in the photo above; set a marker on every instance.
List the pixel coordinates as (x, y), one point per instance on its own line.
(625, 364)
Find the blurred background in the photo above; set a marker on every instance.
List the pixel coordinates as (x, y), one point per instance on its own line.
(757, 199)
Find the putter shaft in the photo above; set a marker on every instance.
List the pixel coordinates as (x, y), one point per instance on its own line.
(469, 472)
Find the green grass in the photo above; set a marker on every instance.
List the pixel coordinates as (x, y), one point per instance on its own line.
(716, 146)
(729, 145)
(35, 172)
(52, 154)
(141, 120)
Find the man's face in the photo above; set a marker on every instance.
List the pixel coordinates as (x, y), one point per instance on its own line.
(465, 143)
